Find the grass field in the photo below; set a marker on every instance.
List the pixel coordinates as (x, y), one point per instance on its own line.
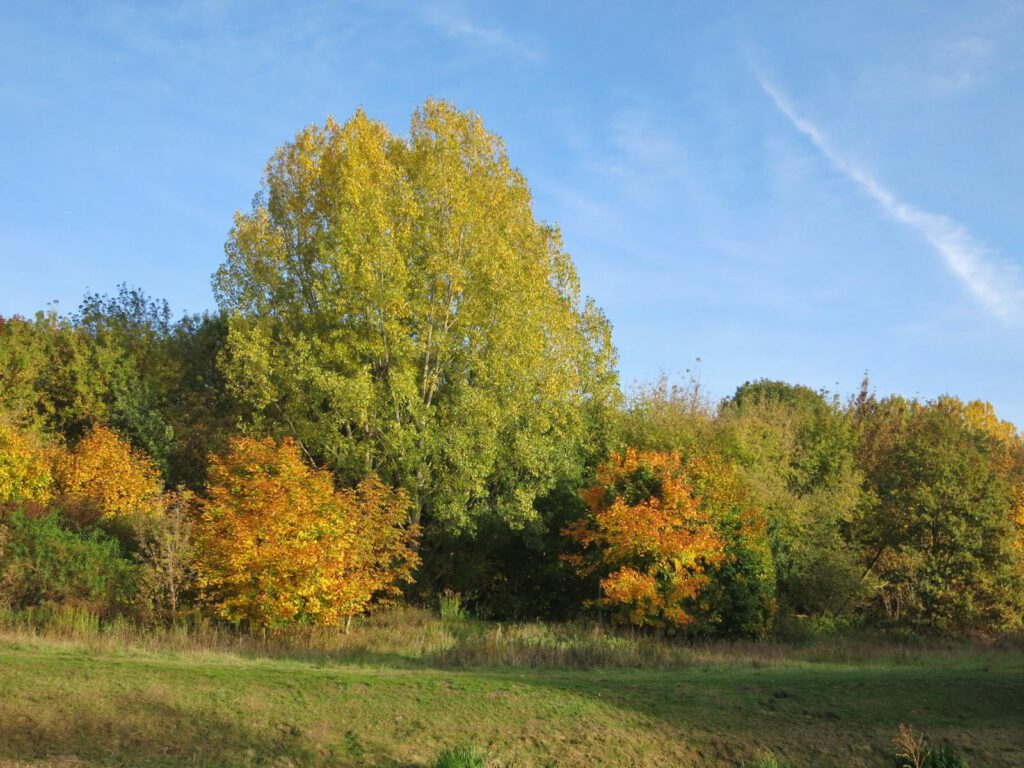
(115, 700)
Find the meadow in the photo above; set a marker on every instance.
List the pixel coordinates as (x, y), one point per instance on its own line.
(404, 686)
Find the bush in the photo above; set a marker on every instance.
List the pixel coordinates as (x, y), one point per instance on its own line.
(943, 757)
(26, 466)
(43, 562)
(104, 478)
(278, 545)
(649, 537)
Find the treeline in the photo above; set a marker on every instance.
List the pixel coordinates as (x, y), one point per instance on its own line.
(403, 394)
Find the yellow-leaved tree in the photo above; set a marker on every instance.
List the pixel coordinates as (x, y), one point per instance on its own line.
(26, 467)
(104, 478)
(278, 544)
(394, 304)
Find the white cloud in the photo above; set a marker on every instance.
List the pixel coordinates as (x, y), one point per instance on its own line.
(995, 284)
(458, 25)
(961, 63)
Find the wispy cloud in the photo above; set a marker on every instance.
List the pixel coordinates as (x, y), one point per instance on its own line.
(996, 284)
(458, 25)
(961, 63)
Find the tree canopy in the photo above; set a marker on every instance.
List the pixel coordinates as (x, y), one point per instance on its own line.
(394, 304)
(404, 390)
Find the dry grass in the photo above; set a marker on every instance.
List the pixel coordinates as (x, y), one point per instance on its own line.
(411, 637)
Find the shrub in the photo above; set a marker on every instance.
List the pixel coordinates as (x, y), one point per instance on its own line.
(166, 551)
(105, 478)
(942, 541)
(42, 562)
(768, 761)
(913, 751)
(739, 600)
(279, 545)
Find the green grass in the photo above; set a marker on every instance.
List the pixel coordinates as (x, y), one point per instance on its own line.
(462, 756)
(113, 700)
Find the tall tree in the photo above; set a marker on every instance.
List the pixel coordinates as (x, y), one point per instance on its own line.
(394, 304)
(50, 376)
(942, 541)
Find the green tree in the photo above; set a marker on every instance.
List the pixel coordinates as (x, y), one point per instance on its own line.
(796, 448)
(161, 384)
(662, 416)
(50, 379)
(941, 541)
(126, 341)
(394, 304)
(740, 598)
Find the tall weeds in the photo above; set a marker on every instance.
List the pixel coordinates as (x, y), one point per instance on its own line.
(413, 637)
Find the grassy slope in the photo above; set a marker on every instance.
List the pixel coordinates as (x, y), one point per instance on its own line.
(59, 702)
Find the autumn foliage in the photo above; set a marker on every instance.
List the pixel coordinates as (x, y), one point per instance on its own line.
(647, 532)
(278, 544)
(26, 467)
(105, 478)
(395, 313)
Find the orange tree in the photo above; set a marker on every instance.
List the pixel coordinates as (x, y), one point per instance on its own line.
(105, 478)
(649, 537)
(277, 544)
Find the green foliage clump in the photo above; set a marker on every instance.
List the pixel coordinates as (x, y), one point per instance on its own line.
(943, 757)
(940, 540)
(913, 751)
(508, 573)
(45, 562)
(461, 756)
(449, 606)
(122, 362)
(796, 450)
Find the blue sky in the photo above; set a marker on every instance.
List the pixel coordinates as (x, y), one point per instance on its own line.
(801, 191)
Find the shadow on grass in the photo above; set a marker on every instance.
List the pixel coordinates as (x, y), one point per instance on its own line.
(815, 716)
(144, 731)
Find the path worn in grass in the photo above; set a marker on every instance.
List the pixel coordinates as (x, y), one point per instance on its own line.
(64, 705)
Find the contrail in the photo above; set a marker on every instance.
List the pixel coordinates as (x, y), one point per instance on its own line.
(995, 284)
